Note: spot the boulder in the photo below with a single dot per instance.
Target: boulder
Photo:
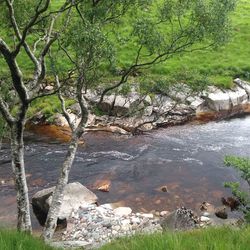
(60, 120)
(162, 103)
(222, 100)
(119, 105)
(180, 92)
(244, 85)
(75, 195)
(221, 213)
(180, 219)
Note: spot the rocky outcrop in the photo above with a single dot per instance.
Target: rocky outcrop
(180, 105)
(225, 103)
(74, 196)
(135, 112)
(118, 105)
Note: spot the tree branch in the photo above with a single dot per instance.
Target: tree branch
(4, 110)
(15, 72)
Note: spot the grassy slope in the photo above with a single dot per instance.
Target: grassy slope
(212, 238)
(220, 66)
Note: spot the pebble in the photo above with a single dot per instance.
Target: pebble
(150, 216)
(135, 220)
(164, 213)
(206, 214)
(123, 211)
(204, 219)
(125, 222)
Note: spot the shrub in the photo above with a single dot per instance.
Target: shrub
(243, 165)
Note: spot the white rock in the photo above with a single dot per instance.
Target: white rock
(164, 213)
(116, 228)
(150, 216)
(135, 220)
(218, 100)
(243, 84)
(125, 228)
(60, 120)
(126, 222)
(114, 232)
(75, 195)
(206, 214)
(49, 88)
(122, 211)
(204, 219)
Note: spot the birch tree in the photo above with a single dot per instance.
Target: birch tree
(156, 31)
(30, 30)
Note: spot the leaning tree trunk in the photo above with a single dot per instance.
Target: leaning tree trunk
(17, 152)
(51, 221)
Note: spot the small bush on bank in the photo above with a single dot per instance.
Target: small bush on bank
(243, 165)
(212, 238)
(13, 240)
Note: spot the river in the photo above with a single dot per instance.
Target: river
(187, 159)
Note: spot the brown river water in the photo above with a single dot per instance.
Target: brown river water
(187, 159)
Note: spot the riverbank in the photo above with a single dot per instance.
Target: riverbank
(136, 113)
(90, 225)
(212, 238)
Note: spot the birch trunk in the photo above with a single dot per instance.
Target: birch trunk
(17, 152)
(57, 199)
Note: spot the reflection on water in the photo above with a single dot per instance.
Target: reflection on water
(187, 159)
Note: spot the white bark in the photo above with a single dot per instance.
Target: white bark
(51, 221)
(25, 95)
(57, 199)
(17, 152)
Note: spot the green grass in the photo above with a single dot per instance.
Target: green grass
(204, 239)
(12, 240)
(48, 106)
(220, 66)
(210, 239)
(223, 64)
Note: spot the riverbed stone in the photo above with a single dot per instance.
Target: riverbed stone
(122, 211)
(218, 100)
(74, 196)
(60, 120)
(204, 219)
(164, 213)
(221, 213)
(180, 219)
(102, 228)
(244, 85)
